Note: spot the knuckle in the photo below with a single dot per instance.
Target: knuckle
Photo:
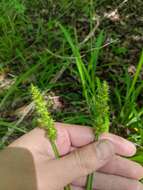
(104, 150)
(81, 162)
(138, 171)
(138, 186)
(93, 156)
(135, 185)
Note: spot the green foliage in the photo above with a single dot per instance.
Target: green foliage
(45, 119)
(9, 8)
(94, 91)
(119, 50)
(18, 6)
(129, 114)
(138, 157)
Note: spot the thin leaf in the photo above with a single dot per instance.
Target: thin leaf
(95, 54)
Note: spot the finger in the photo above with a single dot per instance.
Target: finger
(111, 182)
(79, 163)
(36, 140)
(124, 147)
(79, 135)
(71, 135)
(123, 167)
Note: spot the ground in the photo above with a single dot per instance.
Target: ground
(33, 49)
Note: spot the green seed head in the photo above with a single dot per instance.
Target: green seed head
(45, 118)
(101, 120)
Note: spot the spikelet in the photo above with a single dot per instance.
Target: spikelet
(101, 120)
(44, 117)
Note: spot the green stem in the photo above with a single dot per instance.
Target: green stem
(89, 184)
(55, 149)
(67, 187)
(57, 155)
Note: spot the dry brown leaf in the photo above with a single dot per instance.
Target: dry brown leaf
(57, 104)
(131, 69)
(5, 82)
(113, 15)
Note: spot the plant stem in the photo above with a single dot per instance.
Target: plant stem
(55, 149)
(89, 185)
(57, 155)
(67, 187)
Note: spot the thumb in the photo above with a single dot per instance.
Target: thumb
(80, 162)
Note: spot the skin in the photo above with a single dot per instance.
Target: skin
(80, 156)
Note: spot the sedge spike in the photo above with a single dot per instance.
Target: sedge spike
(102, 115)
(45, 119)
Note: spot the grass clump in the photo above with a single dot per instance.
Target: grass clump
(95, 92)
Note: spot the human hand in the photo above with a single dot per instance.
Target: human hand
(81, 156)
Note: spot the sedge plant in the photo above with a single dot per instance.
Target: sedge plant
(95, 92)
(101, 117)
(45, 120)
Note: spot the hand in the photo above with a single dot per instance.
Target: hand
(81, 156)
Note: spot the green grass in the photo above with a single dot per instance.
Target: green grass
(33, 48)
(93, 89)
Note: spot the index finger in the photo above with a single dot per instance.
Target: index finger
(68, 136)
(123, 146)
(72, 136)
(78, 136)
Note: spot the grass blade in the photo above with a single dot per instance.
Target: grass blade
(139, 67)
(132, 88)
(81, 67)
(95, 54)
(11, 125)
